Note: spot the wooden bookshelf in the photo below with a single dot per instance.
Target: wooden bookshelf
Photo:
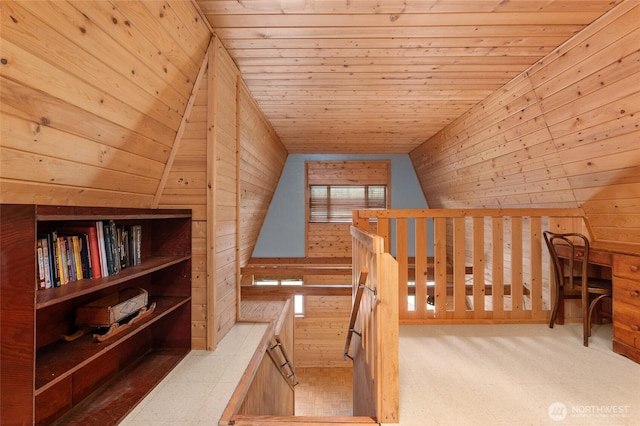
(45, 379)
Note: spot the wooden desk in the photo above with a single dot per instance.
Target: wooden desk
(596, 256)
(626, 295)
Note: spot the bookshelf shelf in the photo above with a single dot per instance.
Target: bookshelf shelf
(61, 359)
(51, 296)
(47, 380)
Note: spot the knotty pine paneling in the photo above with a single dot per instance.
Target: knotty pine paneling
(223, 118)
(328, 240)
(93, 94)
(186, 187)
(262, 159)
(358, 77)
(562, 134)
(377, 172)
(320, 335)
(334, 239)
(215, 287)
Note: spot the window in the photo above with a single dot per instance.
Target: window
(298, 299)
(334, 203)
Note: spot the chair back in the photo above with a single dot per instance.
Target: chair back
(574, 242)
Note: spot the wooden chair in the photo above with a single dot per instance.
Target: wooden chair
(572, 279)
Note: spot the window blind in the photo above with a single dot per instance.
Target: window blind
(334, 203)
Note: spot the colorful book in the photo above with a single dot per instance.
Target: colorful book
(102, 249)
(41, 283)
(64, 263)
(90, 252)
(57, 256)
(71, 264)
(47, 262)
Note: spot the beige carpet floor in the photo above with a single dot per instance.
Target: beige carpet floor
(515, 375)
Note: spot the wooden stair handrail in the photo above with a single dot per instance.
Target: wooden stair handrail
(292, 378)
(362, 279)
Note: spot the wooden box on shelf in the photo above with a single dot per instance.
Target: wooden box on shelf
(46, 379)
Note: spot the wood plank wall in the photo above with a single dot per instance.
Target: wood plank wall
(262, 159)
(186, 187)
(321, 333)
(565, 133)
(223, 207)
(334, 239)
(241, 150)
(93, 95)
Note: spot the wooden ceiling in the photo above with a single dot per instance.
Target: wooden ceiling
(367, 76)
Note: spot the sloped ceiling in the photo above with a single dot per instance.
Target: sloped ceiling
(364, 76)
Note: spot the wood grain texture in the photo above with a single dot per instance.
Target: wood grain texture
(262, 158)
(92, 125)
(561, 134)
(334, 239)
(361, 77)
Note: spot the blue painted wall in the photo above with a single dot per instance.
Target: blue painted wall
(282, 233)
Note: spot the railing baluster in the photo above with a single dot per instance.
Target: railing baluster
(403, 265)
(497, 266)
(420, 269)
(459, 267)
(517, 287)
(510, 271)
(478, 268)
(535, 243)
(440, 266)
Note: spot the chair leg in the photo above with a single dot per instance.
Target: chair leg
(556, 307)
(587, 320)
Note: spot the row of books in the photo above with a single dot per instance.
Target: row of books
(94, 250)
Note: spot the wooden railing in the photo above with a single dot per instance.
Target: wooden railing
(478, 265)
(375, 349)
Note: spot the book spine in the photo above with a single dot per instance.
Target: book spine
(85, 255)
(132, 244)
(71, 264)
(41, 283)
(138, 244)
(125, 253)
(96, 270)
(83, 250)
(115, 250)
(55, 243)
(64, 264)
(52, 260)
(102, 248)
(107, 248)
(77, 257)
(47, 263)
